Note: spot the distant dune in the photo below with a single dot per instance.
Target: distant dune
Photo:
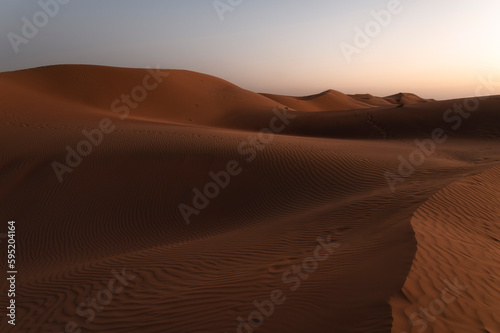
(406, 98)
(373, 100)
(329, 100)
(316, 176)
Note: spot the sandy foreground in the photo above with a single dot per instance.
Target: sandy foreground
(172, 201)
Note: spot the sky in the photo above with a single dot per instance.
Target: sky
(437, 49)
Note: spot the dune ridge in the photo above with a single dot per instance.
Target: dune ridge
(455, 272)
(329, 100)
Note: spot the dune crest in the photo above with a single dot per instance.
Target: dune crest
(329, 100)
(406, 98)
(455, 274)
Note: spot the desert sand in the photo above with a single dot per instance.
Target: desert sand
(317, 174)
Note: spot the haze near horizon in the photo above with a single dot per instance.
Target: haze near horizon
(436, 50)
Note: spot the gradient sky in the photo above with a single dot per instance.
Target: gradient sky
(436, 49)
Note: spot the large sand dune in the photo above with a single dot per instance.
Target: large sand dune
(320, 179)
(326, 101)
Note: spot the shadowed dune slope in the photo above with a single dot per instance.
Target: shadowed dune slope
(416, 121)
(329, 100)
(406, 98)
(455, 277)
(373, 100)
(120, 209)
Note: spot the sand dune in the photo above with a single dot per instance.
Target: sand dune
(175, 96)
(406, 98)
(329, 100)
(321, 176)
(374, 100)
(455, 274)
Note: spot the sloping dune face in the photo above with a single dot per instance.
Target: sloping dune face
(374, 100)
(454, 283)
(181, 215)
(406, 98)
(174, 95)
(329, 100)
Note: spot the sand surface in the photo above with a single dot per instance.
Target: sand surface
(317, 173)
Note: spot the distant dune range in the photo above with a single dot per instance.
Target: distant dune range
(322, 175)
